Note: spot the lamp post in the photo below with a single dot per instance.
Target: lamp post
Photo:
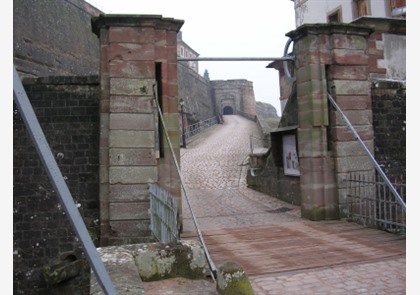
(182, 102)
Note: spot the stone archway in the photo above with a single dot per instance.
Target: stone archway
(227, 110)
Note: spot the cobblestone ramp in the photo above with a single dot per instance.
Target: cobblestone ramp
(282, 253)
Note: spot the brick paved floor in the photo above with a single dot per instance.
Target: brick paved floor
(214, 170)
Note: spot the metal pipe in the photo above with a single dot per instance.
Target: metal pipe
(378, 168)
(284, 58)
(213, 269)
(60, 186)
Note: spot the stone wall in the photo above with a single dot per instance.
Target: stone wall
(197, 93)
(54, 38)
(359, 66)
(138, 72)
(67, 109)
(236, 94)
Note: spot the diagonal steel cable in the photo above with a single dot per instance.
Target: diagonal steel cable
(60, 186)
(372, 158)
(213, 269)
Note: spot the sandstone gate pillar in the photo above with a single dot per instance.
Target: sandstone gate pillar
(137, 55)
(329, 58)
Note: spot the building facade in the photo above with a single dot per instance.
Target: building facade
(345, 11)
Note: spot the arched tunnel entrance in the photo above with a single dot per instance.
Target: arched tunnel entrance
(227, 110)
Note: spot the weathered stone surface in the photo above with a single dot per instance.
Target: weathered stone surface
(132, 157)
(129, 210)
(158, 261)
(122, 271)
(132, 69)
(131, 51)
(232, 280)
(132, 175)
(128, 192)
(126, 86)
(132, 264)
(131, 121)
(54, 38)
(130, 138)
(131, 104)
(349, 87)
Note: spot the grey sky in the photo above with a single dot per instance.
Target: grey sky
(226, 29)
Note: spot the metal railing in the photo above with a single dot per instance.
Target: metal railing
(378, 168)
(163, 215)
(372, 199)
(370, 202)
(196, 128)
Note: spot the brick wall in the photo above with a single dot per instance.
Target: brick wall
(389, 123)
(67, 109)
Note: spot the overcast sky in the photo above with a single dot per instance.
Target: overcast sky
(226, 29)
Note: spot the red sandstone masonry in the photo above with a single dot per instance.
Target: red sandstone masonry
(353, 102)
(136, 35)
(131, 104)
(345, 41)
(131, 51)
(134, 69)
(339, 72)
(349, 57)
(131, 47)
(132, 121)
(324, 51)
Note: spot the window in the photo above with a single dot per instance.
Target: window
(397, 4)
(361, 8)
(335, 16)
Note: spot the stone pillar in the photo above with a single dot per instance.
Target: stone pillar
(138, 55)
(319, 49)
(349, 84)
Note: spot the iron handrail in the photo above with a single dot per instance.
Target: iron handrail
(378, 168)
(198, 127)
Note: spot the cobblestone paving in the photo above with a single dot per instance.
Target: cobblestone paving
(214, 168)
(214, 171)
(384, 277)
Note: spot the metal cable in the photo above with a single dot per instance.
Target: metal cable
(213, 269)
(378, 168)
